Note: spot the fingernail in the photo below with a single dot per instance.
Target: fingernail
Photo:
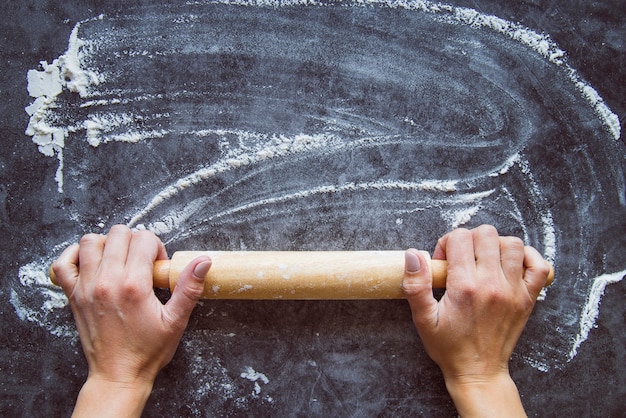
(202, 269)
(411, 262)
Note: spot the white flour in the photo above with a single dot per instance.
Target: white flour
(212, 378)
(45, 86)
(254, 376)
(258, 148)
(350, 187)
(38, 300)
(592, 308)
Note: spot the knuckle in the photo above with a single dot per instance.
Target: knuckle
(192, 292)
(57, 268)
(59, 272)
(495, 296)
(175, 322)
(526, 304)
(131, 290)
(544, 269)
(460, 231)
(143, 236)
(422, 320)
(441, 242)
(101, 291)
(513, 241)
(512, 245)
(469, 290)
(90, 240)
(119, 229)
(80, 299)
(414, 287)
(487, 230)
(460, 234)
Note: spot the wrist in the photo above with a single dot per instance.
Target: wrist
(102, 398)
(485, 396)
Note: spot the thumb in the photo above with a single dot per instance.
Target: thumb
(188, 291)
(418, 289)
(537, 270)
(64, 271)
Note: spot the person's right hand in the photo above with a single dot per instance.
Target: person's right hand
(492, 285)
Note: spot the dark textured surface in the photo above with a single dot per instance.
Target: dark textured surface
(384, 100)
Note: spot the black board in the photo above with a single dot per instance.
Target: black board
(326, 126)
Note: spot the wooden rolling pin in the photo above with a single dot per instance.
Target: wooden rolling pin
(295, 274)
(299, 274)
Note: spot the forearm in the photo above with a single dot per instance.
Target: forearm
(99, 398)
(496, 397)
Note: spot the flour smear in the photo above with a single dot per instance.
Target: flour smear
(68, 72)
(457, 201)
(64, 73)
(37, 300)
(591, 310)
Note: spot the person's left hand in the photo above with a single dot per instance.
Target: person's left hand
(127, 334)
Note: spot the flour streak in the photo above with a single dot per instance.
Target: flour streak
(591, 310)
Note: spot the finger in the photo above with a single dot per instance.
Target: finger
(90, 254)
(486, 251)
(537, 270)
(143, 250)
(162, 253)
(187, 292)
(116, 246)
(459, 248)
(512, 258)
(440, 248)
(65, 269)
(418, 289)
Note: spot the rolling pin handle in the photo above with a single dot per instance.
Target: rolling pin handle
(161, 274)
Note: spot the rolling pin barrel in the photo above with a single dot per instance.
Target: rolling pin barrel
(294, 274)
